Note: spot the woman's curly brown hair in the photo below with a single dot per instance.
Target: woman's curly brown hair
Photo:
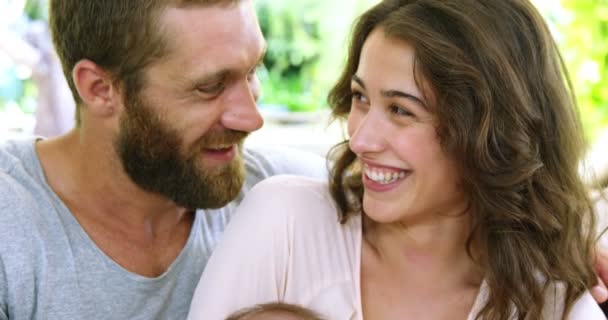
(507, 114)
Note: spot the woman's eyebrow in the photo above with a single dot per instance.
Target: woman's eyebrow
(393, 93)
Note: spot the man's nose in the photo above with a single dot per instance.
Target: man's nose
(241, 113)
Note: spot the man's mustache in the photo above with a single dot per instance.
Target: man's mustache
(222, 139)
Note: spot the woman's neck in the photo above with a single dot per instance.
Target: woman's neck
(425, 251)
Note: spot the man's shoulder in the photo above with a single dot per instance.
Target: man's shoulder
(18, 156)
(266, 161)
(20, 189)
(10, 154)
(17, 169)
(18, 205)
(15, 191)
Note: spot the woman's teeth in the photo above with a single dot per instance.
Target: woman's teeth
(384, 177)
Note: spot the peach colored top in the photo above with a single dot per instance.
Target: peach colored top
(285, 244)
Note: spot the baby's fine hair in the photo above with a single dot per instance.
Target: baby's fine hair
(277, 308)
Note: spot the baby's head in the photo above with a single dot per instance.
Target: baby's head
(275, 311)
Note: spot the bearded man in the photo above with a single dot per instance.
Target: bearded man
(117, 218)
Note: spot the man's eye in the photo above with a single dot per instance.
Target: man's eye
(255, 70)
(213, 88)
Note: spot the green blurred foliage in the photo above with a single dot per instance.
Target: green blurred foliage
(306, 47)
(15, 89)
(295, 46)
(11, 88)
(307, 43)
(36, 9)
(583, 38)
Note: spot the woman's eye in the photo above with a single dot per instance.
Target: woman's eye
(400, 111)
(358, 97)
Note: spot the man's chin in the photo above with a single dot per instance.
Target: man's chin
(217, 188)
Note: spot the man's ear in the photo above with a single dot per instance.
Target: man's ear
(96, 88)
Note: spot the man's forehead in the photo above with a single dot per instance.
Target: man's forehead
(179, 10)
(210, 39)
(185, 3)
(211, 25)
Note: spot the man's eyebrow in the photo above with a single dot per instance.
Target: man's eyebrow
(215, 76)
(394, 93)
(224, 73)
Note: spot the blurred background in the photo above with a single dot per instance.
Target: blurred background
(307, 41)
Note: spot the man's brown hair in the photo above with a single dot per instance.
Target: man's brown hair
(121, 36)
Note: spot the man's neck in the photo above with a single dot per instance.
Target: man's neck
(90, 171)
(119, 217)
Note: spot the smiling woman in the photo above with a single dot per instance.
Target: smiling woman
(457, 195)
(393, 132)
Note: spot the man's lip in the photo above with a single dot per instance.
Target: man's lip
(218, 149)
(223, 155)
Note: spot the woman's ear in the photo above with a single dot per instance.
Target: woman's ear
(96, 89)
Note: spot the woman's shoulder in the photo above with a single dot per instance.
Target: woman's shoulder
(292, 200)
(584, 308)
(290, 192)
(287, 184)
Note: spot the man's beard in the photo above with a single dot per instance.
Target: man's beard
(151, 154)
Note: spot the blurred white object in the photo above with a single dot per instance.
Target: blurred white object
(55, 111)
(595, 168)
(14, 123)
(601, 207)
(32, 49)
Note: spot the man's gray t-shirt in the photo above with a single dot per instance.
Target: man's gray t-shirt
(51, 269)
